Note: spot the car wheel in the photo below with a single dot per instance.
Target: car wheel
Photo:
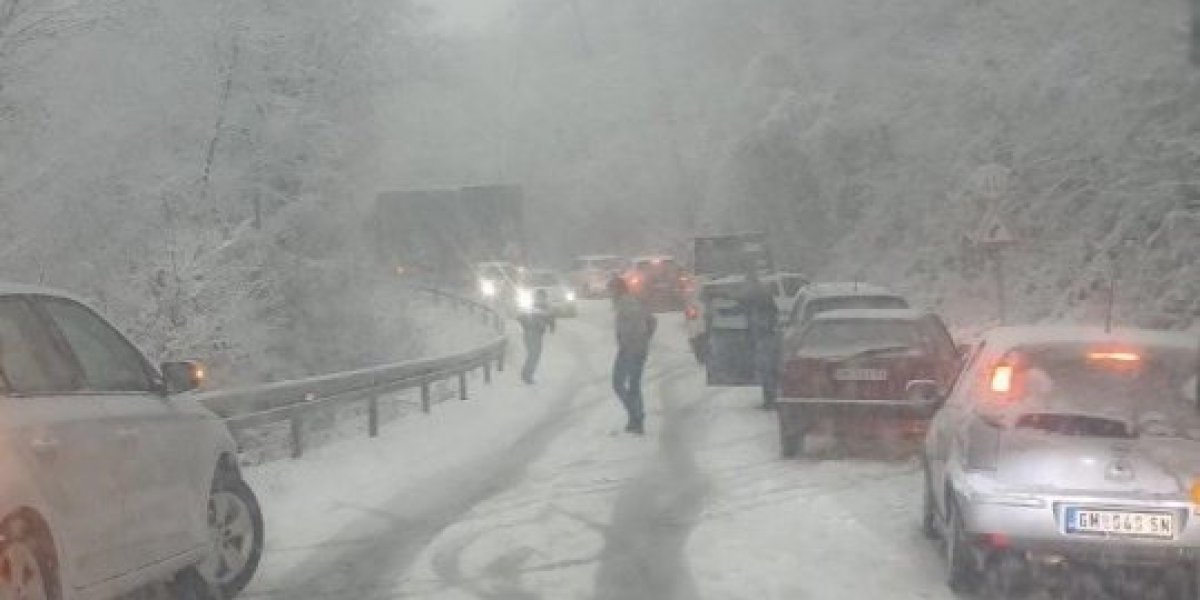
(929, 511)
(698, 346)
(25, 570)
(189, 584)
(791, 432)
(961, 573)
(236, 535)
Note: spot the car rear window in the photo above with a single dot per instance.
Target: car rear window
(1101, 388)
(1075, 425)
(820, 305)
(861, 334)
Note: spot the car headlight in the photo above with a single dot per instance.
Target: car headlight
(570, 296)
(524, 299)
(487, 287)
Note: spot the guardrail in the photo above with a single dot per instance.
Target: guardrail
(298, 401)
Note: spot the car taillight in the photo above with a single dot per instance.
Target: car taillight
(1002, 379)
(691, 313)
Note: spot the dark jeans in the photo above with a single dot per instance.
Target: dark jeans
(533, 354)
(627, 382)
(766, 364)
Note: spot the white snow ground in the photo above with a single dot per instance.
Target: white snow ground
(532, 492)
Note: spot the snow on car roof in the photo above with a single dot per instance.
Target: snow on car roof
(864, 314)
(846, 288)
(1002, 338)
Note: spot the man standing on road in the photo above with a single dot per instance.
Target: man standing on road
(762, 317)
(634, 326)
(534, 324)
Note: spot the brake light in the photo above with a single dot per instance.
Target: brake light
(1195, 493)
(1002, 379)
(691, 313)
(1126, 357)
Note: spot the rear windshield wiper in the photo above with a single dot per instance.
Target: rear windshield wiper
(880, 350)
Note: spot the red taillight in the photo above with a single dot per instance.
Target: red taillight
(994, 541)
(691, 313)
(1002, 379)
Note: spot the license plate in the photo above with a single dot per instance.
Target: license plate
(860, 375)
(1086, 521)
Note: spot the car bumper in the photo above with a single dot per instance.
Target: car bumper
(899, 408)
(1037, 533)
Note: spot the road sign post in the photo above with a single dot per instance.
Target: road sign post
(994, 237)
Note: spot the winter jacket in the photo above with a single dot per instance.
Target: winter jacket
(762, 314)
(537, 321)
(634, 324)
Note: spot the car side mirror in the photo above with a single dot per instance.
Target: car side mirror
(924, 392)
(182, 376)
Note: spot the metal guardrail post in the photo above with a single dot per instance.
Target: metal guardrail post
(487, 371)
(373, 416)
(425, 397)
(462, 385)
(297, 424)
(500, 360)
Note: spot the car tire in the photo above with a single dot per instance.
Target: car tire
(26, 563)
(698, 344)
(791, 431)
(962, 576)
(236, 526)
(189, 584)
(929, 526)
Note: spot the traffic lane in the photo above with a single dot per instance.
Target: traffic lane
(386, 533)
(595, 504)
(774, 528)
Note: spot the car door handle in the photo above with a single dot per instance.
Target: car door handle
(45, 447)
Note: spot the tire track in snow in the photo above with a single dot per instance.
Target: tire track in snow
(369, 569)
(643, 555)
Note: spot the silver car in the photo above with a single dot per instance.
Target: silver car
(111, 479)
(1067, 445)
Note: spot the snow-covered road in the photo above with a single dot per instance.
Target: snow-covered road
(526, 493)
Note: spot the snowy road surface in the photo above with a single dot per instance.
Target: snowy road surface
(534, 493)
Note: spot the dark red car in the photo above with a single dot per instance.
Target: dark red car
(660, 282)
(853, 369)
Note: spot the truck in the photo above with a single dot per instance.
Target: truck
(440, 234)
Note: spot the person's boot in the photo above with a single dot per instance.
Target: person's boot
(636, 427)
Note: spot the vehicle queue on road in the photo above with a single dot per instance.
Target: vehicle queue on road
(1049, 455)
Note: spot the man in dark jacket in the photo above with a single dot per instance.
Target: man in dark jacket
(762, 316)
(535, 323)
(634, 327)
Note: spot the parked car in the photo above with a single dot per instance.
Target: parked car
(660, 282)
(1067, 446)
(815, 298)
(851, 370)
(111, 478)
(717, 326)
(591, 274)
(560, 295)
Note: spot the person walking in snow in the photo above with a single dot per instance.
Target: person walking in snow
(762, 317)
(634, 327)
(534, 324)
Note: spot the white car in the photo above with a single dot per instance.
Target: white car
(111, 479)
(559, 295)
(1067, 446)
